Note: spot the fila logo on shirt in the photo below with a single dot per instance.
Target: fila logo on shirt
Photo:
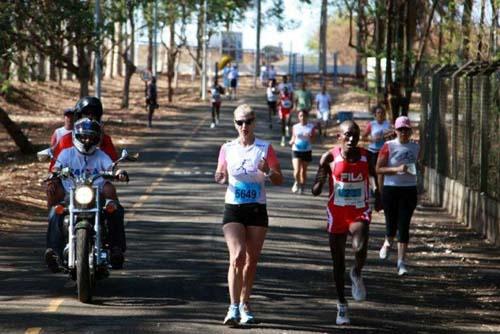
(351, 177)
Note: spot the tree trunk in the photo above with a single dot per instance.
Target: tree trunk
(71, 53)
(150, 46)
(41, 71)
(481, 32)
(411, 27)
(15, 133)
(360, 38)
(440, 42)
(322, 40)
(119, 63)
(172, 54)
(400, 40)
(257, 43)
(388, 65)
(421, 49)
(493, 30)
(379, 45)
(199, 38)
(129, 61)
(83, 70)
(52, 69)
(466, 22)
(112, 58)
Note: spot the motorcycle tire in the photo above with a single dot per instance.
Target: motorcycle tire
(83, 276)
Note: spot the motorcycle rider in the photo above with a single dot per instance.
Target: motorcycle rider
(85, 156)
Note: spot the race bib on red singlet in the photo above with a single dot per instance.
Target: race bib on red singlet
(349, 194)
(286, 104)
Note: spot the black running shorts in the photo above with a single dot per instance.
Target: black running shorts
(251, 214)
(302, 155)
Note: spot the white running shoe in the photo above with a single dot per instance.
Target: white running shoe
(282, 141)
(402, 270)
(342, 315)
(287, 129)
(358, 287)
(384, 252)
(216, 121)
(295, 187)
(233, 316)
(246, 315)
(212, 125)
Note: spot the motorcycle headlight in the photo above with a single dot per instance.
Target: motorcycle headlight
(84, 195)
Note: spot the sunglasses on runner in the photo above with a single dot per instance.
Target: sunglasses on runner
(246, 121)
(407, 130)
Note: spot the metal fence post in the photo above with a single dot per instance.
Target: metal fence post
(467, 130)
(483, 153)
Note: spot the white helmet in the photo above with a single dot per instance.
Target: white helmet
(86, 135)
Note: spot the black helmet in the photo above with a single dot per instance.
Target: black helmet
(88, 106)
(86, 135)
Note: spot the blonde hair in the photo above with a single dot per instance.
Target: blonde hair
(244, 110)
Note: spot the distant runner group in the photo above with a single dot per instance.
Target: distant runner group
(387, 171)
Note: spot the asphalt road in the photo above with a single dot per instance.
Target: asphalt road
(174, 280)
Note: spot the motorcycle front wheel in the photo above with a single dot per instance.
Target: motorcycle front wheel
(83, 275)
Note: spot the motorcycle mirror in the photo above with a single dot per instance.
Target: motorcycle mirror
(124, 154)
(45, 155)
(133, 157)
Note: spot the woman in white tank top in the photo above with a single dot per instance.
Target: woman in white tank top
(245, 163)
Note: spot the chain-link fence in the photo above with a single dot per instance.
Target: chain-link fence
(460, 124)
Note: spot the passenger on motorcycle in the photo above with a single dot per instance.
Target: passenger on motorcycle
(89, 107)
(84, 156)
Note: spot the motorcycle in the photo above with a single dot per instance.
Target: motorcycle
(86, 256)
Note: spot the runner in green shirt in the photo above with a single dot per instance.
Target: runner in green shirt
(303, 98)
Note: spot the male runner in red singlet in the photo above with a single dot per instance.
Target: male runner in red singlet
(346, 167)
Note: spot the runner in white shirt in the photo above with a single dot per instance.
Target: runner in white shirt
(323, 105)
(263, 75)
(272, 100)
(302, 135)
(245, 163)
(63, 130)
(271, 74)
(285, 83)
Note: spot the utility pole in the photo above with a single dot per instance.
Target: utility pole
(155, 45)
(205, 41)
(97, 21)
(257, 47)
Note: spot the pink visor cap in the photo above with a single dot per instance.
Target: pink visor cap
(402, 122)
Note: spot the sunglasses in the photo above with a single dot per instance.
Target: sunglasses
(404, 129)
(247, 121)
